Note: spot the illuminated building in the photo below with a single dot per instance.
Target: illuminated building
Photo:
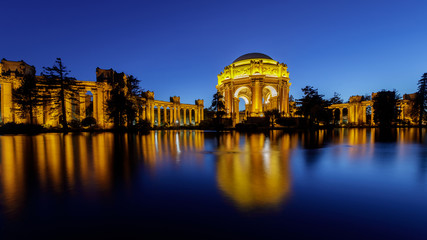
(260, 81)
(359, 111)
(89, 95)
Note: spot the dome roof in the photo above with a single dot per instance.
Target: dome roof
(251, 56)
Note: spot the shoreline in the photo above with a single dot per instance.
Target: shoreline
(26, 131)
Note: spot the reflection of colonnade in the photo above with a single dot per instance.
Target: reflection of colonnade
(163, 146)
(61, 162)
(88, 99)
(257, 173)
(85, 163)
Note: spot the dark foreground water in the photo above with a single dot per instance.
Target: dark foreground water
(341, 184)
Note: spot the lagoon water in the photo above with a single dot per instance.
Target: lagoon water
(337, 184)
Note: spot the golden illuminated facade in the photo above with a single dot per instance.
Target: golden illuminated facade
(257, 79)
(358, 111)
(89, 95)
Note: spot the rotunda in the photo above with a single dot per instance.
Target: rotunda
(261, 82)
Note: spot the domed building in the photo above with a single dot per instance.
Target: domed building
(261, 82)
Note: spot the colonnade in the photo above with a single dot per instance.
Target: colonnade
(78, 101)
(162, 113)
(355, 113)
(362, 112)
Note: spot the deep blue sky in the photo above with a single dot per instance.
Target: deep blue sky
(179, 47)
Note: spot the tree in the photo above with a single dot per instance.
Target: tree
(312, 106)
(56, 78)
(27, 97)
(272, 115)
(336, 99)
(218, 105)
(122, 106)
(420, 104)
(385, 108)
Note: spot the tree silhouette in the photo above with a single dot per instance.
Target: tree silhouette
(420, 104)
(385, 108)
(122, 106)
(27, 97)
(336, 99)
(56, 78)
(272, 115)
(218, 105)
(312, 106)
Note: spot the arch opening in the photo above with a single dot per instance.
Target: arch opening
(344, 115)
(269, 98)
(243, 101)
(337, 116)
(88, 104)
(368, 113)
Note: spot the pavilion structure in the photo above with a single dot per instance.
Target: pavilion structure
(261, 82)
(359, 111)
(88, 99)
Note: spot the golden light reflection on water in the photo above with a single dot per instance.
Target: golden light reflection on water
(254, 173)
(252, 170)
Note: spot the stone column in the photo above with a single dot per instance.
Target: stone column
(6, 102)
(170, 116)
(185, 117)
(285, 100)
(148, 112)
(372, 116)
(152, 114)
(101, 105)
(228, 101)
(202, 115)
(178, 109)
(82, 105)
(95, 106)
(165, 116)
(341, 115)
(363, 114)
(144, 112)
(256, 98)
(159, 119)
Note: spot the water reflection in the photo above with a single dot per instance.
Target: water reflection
(253, 171)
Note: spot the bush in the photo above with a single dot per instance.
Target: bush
(88, 122)
(287, 121)
(142, 125)
(75, 123)
(206, 124)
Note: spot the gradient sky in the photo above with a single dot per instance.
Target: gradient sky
(179, 47)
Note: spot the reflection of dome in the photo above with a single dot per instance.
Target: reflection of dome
(252, 56)
(255, 178)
